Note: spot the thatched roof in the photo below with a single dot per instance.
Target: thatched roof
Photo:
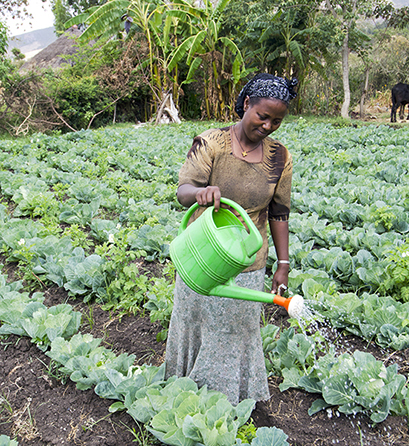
(53, 55)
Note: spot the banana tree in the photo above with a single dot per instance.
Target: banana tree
(206, 49)
(105, 21)
(166, 29)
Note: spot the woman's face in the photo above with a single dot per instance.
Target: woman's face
(262, 117)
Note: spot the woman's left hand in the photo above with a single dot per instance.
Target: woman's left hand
(280, 279)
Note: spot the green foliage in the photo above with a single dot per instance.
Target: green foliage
(160, 300)
(37, 204)
(73, 212)
(27, 316)
(247, 432)
(61, 13)
(84, 276)
(384, 216)
(78, 99)
(370, 316)
(85, 361)
(3, 40)
(18, 55)
(78, 236)
(45, 325)
(175, 408)
(397, 281)
(267, 436)
(125, 287)
(6, 441)
(181, 413)
(127, 292)
(207, 416)
(357, 383)
(292, 351)
(131, 292)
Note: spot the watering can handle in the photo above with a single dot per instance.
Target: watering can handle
(252, 243)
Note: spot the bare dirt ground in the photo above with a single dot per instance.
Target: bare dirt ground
(380, 113)
(40, 410)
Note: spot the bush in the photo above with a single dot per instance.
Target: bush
(78, 99)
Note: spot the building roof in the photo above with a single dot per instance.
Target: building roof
(53, 55)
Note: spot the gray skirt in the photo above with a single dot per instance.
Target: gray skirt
(216, 341)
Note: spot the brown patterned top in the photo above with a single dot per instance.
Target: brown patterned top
(262, 189)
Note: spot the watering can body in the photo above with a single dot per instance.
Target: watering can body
(210, 252)
(215, 247)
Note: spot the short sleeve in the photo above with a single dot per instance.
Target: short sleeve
(198, 165)
(279, 208)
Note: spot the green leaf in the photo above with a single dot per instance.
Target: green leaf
(317, 405)
(190, 430)
(244, 410)
(311, 385)
(141, 410)
(270, 436)
(291, 379)
(195, 45)
(192, 70)
(218, 411)
(116, 407)
(338, 390)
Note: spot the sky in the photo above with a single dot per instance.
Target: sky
(42, 18)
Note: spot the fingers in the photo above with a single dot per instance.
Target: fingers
(216, 197)
(280, 289)
(280, 283)
(208, 196)
(274, 287)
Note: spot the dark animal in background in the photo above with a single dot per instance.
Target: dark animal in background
(400, 97)
(402, 112)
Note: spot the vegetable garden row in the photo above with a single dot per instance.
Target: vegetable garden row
(78, 210)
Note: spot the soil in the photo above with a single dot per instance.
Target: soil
(39, 409)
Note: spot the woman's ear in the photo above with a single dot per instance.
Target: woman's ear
(246, 103)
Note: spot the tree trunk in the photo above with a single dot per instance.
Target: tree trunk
(365, 90)
(345, 78)
(167, 111)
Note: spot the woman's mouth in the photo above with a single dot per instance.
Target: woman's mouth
(262, 133)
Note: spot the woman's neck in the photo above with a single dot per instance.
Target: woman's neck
(252, 153)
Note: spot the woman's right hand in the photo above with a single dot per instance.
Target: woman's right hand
(204, 196)
(209, 196)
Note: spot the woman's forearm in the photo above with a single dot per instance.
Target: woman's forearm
(186, 194)
(280, 235)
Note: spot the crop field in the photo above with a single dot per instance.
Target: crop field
(86, 292)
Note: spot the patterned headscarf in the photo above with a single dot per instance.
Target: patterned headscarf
(266, 85)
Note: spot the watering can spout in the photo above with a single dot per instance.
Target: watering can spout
(294, 305)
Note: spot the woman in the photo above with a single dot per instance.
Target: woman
(216, 341)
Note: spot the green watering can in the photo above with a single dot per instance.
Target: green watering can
(209, 253)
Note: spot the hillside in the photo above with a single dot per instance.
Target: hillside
(32, 42)
(400, 3)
